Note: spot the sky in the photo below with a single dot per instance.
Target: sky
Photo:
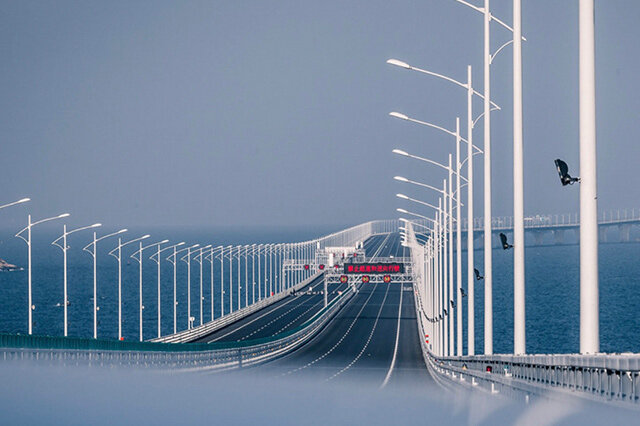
(271, 114)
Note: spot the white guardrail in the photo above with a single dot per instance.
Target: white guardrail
(602, 377)
(185, 356)
(195, 333)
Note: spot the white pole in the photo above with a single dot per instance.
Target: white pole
(221, 281)
(159, 306)
(189, 288)
(119, 288)
(29, 274)
(259, 274)
(140, 290)
(239, 285)
(64, 262)
(212, 305)
(201, 260)
(589, 303)
(450, 298)
(488, 255)
(230, 279)
(95, 288)
(175, 295)
(246, 276)
(519, 320)
(445, 272)
(470, 265)
(458, 242)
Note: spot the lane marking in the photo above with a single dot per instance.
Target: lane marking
(364, 348)
(395, 350)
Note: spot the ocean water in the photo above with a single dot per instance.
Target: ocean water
(552, 289)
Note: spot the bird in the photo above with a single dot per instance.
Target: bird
(478, 276)
(463, 293)
(445, 312)
(505, 244)
(453, 304)
(563, 172)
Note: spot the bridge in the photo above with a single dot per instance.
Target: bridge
(381, 305)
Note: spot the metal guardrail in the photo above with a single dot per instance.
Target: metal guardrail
(212, 326)
(183, 356)
(602, 377)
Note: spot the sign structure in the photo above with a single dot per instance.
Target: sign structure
(373, 268)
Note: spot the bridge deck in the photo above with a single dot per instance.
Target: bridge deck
(359, 344)
(285, 314)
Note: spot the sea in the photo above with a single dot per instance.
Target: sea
(552, 288)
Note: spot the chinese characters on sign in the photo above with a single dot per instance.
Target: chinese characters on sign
(374, 268)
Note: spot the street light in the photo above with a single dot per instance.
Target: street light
(28, 241)
(156, 258)
(23, 200)
(94, 254)
(118, 256)
(139, 259)
(64, 249)
(188, 262)
(173, 259)
(199, 259)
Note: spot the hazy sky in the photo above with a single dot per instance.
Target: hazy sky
(275, 113)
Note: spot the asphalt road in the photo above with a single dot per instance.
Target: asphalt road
(292, 311)
(373, 340)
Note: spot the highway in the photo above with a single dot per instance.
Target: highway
(373, 340)
(289, 312)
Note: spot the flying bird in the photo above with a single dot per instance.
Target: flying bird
(505, 244)
(453, 304)
(478, 276)
(563, 172)
(463, 293)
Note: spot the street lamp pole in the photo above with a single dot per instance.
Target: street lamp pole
(173, 259)
(118, 256)
(139, 252)
(64, 249)
(199, 258)
(156, 257)
(94, 254)
(28, 241)
(589, 302)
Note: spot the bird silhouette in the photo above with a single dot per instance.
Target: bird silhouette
(463, 293)
(453, 304)
(563, 171)
(505, 244)
(478, 276)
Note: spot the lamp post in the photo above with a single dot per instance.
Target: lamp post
(199, 259)
(93, 253)
(470, 125)
(118, 256)
(518, 181)
(64, 249)
(210, 258)
(156, 258)
(173, 259)
(458, 173)
(139, 252)
(589, 302)
(188, 262)
(23, 200)
(28, 241)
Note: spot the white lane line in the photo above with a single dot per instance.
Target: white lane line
(309, 364)
(364, 348)
(255, 319)
(395, 350)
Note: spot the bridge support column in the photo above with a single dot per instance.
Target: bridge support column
(602, 232)
(625, 232)
(558, 236)
(538, 237)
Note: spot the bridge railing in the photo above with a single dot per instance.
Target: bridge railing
(610, 377)
(555, 220)
(184, 356)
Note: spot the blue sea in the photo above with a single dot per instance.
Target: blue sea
(552, 288)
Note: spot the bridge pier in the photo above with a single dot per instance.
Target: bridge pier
(625, 232)
(558, 236)
(602, 231)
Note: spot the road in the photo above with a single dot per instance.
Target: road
(373, 340)
(290, 312)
